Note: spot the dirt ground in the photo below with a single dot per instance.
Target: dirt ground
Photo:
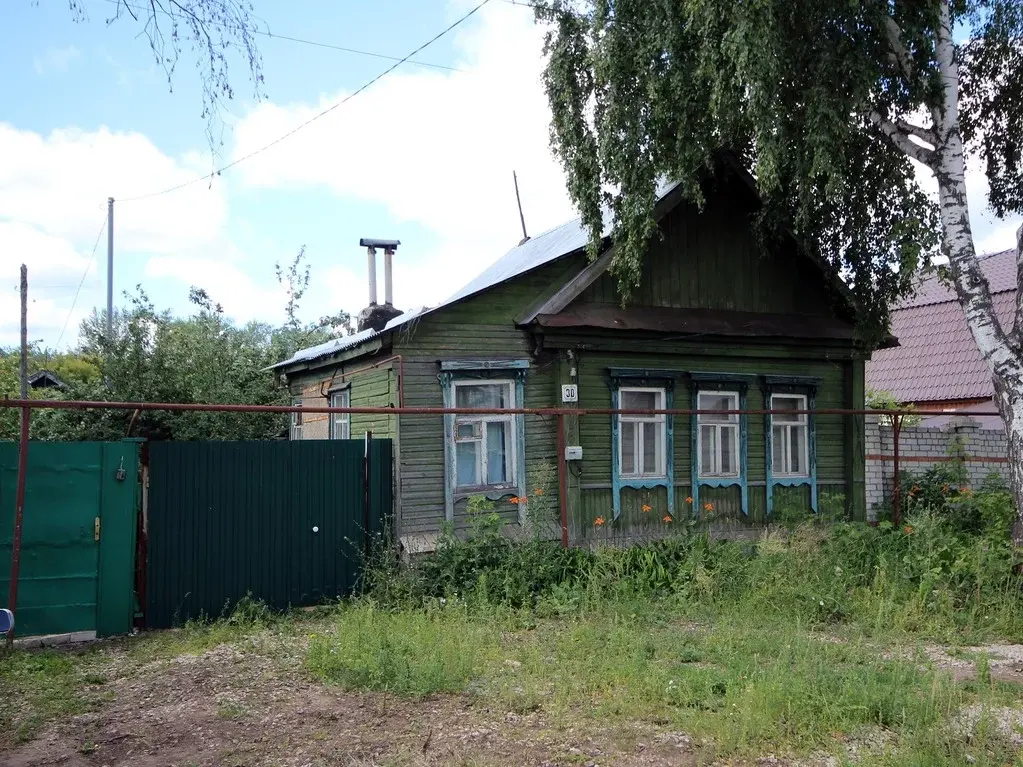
(228, 708)
(234, 707)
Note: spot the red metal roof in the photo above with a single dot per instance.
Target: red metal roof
(937, 358)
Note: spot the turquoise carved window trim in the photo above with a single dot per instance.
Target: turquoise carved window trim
(640, 380)
(806, 388)
(464, 372)
(737, 384)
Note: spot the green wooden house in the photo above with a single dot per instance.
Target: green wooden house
(719, 321)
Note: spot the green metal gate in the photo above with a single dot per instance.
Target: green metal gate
(286, 522)
(78, 536)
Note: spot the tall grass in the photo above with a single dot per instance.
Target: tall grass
(802, 640)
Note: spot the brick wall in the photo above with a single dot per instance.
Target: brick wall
(983, 451)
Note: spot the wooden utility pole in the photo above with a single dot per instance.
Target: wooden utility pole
(19, 500)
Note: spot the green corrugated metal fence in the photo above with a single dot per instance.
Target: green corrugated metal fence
(75, 575)
(283, 521)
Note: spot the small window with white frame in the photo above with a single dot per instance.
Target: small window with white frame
(296, 420)
(484, 444)
(789, 436)
(341, 423)
(718, 435)
(641, 438)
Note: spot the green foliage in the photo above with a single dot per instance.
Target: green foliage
(155, 357)
(40, 686)
(410, 653)
(796, 89)
(885, 400)
(947, 571)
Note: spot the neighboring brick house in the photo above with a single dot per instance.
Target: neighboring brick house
(936, 365)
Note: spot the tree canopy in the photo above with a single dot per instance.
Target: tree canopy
(821, 99)
(156, 357)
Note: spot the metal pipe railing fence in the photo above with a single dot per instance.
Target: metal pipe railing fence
(26, 406)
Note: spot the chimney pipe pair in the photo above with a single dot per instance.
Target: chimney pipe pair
(389, 247)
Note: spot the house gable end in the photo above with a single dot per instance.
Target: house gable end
(711, 260)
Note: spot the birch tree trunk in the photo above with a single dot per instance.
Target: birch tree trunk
(1000, 349)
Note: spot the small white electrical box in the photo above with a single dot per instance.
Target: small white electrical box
(569, 392)
(573, 453)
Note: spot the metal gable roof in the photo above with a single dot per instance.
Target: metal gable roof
(937, 358)
(551, 245)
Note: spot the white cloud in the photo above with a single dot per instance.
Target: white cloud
(437, 149)
(226, 282)
(59, 183)
(55, 268)
(55, 59)
(53, 192)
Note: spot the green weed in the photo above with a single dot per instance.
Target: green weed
(40, 685)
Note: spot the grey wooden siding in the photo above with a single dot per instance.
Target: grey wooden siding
(478, 328)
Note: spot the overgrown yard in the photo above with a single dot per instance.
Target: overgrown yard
(820, 645)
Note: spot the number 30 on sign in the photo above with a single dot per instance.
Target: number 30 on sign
(569, 393)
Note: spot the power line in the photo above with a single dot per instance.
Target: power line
(314, 118)
(88, 266)
(315, 43)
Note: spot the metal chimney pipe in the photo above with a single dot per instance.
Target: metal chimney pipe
(388, 296)
(371, 254)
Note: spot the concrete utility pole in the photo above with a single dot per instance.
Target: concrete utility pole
(110, 270)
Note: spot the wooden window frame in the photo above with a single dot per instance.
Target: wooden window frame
(509, 421)
(344, 420)
(661, 470)
(802, 424)
(296, 430)
(733, 424)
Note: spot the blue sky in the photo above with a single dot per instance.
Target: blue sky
(424, 156)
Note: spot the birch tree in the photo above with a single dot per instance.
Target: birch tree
(841, 110)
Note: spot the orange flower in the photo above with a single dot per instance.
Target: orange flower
(908, 529)
(965, 491)
(515, 500)
(667, 518)
(646, 508)
(599, 521)
(689, 500)
(708, 507)
(539, 491)
(944, 488)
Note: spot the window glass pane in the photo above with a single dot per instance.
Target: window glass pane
(651, 448)
(708, 447)
(779, 402)
(497, 452)
(467, 464)
(714, 401)
(628, 432)
(728, 439)
(798, 436)
(468, 430)
(482, 396)
(641, 400)
(339, 421)
(778, 449)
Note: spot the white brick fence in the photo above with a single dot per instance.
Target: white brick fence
(982, 451)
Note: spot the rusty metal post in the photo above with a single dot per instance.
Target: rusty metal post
(19, 498)
(562, 482)
(19, 516)
(897, 483)
(367, 492)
